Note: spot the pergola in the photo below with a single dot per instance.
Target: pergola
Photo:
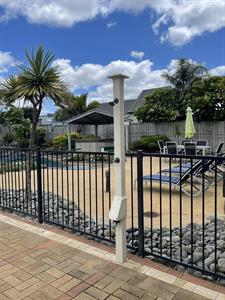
(93, 117)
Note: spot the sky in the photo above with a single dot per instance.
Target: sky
(92, 39)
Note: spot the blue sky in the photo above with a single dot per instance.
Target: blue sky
(94, 38)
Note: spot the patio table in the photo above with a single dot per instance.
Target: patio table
(204, 149)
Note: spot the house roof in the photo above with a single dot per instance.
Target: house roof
(103, 114)
(141, 98)
(109, 108)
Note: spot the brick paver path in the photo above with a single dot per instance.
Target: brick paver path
(34, 267)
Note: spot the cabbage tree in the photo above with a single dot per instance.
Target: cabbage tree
(184, 75)
(35, 82)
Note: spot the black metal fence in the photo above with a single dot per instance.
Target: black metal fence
(65, 188)
(181, 210)
(175, 203)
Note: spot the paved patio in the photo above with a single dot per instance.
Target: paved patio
(40, 262)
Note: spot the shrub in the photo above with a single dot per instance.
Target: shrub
(148, 143)
(21, 134)
(48, 144)
(88, 137)
(7, 139)
(60, 142)
(41, 135)
(75, 135)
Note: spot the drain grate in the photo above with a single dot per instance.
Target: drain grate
(150, 214)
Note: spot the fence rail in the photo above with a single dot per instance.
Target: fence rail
(175, 202)
(185, 220)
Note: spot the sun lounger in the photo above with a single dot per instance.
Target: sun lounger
(190, 177)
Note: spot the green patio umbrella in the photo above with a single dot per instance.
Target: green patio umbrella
(189, 125)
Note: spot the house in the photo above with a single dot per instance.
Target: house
(46, 119)
(139, 102)
(91, 121)
(103, 114)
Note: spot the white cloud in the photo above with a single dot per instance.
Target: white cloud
(111, 24)
(93, 77)
(6, 61)
(54, 12)
(177, 21)
(137, 54)
(193, 18)
(182, 19)
(218, 71)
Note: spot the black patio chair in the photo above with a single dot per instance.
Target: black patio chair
(190, 148)
(171, 147)
(201, 143)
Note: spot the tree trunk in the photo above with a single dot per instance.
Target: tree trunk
(30, 152)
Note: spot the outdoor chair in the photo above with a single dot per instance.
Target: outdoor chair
(171, 147)
(190, 148)
(190, 181)
(219, 149)
(161, 146)
(201, 143)
(183, 167)
(207, 165)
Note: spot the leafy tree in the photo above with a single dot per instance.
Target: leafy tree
(62, 114)
(36, 81)
(41, 136)
(2, 94)
(186, 72)
(73, 105)
(2, 114)
(28, 112)
(21, 133)
(13, 115)
(207, 99)
(158, 107)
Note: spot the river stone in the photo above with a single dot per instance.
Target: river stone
(212, 267)
(187, 237)
(221, 244)
(209, 260)
(175, 238)
(155, 236)
(184, 253)
(221, 264)
(197, 256)
(222, 255)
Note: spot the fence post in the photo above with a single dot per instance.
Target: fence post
(107, 182)
(140, 203)
(223, 184)
(39, 185)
